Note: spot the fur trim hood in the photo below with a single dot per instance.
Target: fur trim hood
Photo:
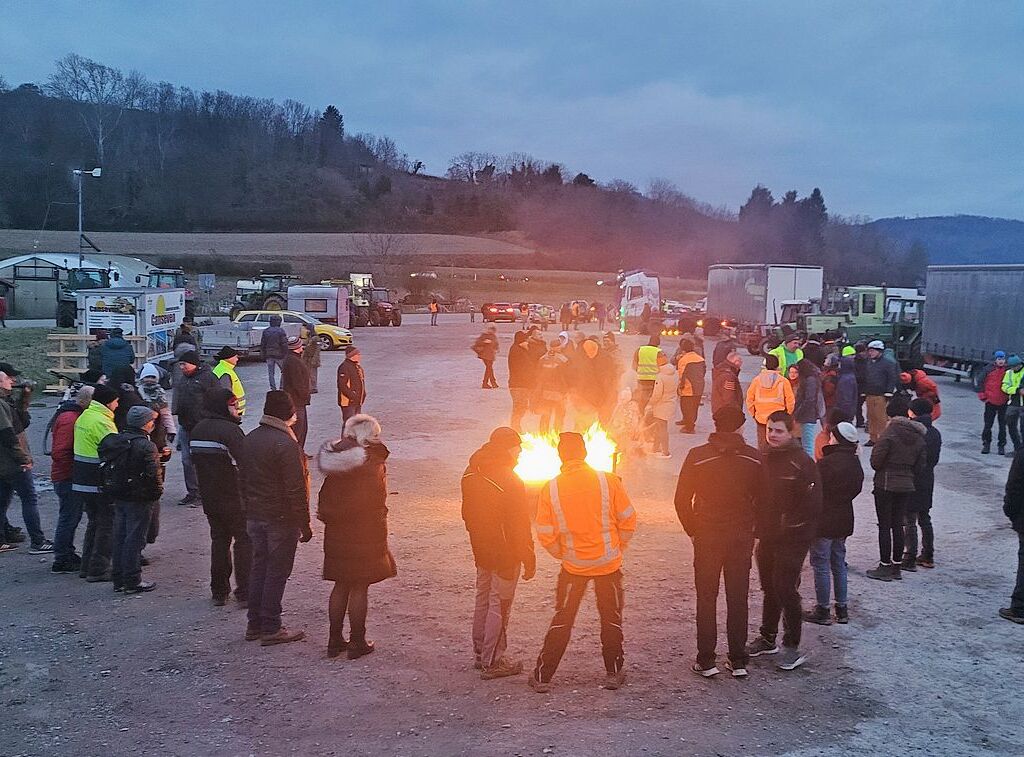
(362, 428)
(347, 455)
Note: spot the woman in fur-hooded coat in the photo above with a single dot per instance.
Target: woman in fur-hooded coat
(353, 508)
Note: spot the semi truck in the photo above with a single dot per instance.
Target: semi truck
(639, 302)
(751, 297)
(973, 310)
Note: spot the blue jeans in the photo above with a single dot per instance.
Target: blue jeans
(69, 515)
(273, 364)
(808, 431)
(828, 559)
(191, 479)
(131, 524)
(25, 487)
(273, 555)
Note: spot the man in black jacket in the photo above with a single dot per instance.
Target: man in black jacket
(133, 505)
(217, 447)
(295, 381)
(274, 348)
(919, 505)
(1013, 508)
(187, 403)
(351, 384)
(784, 532)
(276, 500)
(720, 490)
(496, 515)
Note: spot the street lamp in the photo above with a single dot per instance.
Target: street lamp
(95, 173)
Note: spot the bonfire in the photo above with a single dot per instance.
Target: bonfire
(539, 463)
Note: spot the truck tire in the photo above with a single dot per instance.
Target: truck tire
(67, 313)
(396, 318)
(275, 302)
(358, 319)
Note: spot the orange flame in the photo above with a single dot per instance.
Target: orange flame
(539, 462)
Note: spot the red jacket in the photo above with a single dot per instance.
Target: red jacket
(992, 385)
(922, 385)
(63, 451)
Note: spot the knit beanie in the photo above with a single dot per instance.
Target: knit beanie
(279, 405)
(139, 416)
(571, 447)
(104, 394)
(504, 437)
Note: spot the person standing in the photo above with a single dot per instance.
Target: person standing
(497, 518)
(661, 408)
(116, 351)
(919, 505)
(188, 404)
(486, 348)
(134, 494)
(1013, 508)
(276, 502)
(217, 447)
(593, 388)
(718, 496)
(788, 353)
(585, 520)
(295, 381)
(725, 381)
(311, 359)
(808, 404)
(565, 316)
(353, 508)
(645, 363)
(94, 424)
(601, 314)
(785, 531)
(880, 378)
(351, 384)
(692, 369)
(846, 399)
(274, 348)
(576, 314)
(552, 388)
(1013, 380)
(842, 479)
(898, 458)
(522, 378)
(768, 393)
(62, 456)
(860, 362)
(990, 391)
(224, 371)
(434, 309)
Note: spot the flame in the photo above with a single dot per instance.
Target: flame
(539, 462)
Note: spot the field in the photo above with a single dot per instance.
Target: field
(26, 350)
(925, 666)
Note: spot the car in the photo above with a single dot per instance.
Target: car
(330, 337)
(542, 314)
(499, 311)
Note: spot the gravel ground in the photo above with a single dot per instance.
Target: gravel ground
(924, 667)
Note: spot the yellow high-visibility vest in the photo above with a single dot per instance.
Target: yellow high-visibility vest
(225, 368)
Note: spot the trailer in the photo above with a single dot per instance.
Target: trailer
(973, 311)
(325, 303)
(154, 314)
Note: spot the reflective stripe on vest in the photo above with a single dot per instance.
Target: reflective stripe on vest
(647, 363)
(193, 446)
(610, 552)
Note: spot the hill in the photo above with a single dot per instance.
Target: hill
(953, 240)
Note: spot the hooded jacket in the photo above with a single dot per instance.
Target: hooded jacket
(721, 488)
(115, 351)
(793, 496)
(217, 446)
(899, 455)
(924, 479)
(842, 479)
(12, 454)
(768, 392)
(495, 511)
(725, 387)
(662, 404)
(522, 365)
(295, 379)
(846, 396)
(809, 402)
(62, 452)
(692, 370)
(274, 343)
(143, 469)
(189, 393)
(275, 481)
(351, 384)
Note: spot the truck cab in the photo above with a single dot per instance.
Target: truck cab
(79, 279)
(639, 293)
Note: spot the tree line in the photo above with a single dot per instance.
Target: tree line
(179, 159)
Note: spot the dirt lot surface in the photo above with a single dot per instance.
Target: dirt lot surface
(925, 666)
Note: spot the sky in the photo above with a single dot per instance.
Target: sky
(907, 108)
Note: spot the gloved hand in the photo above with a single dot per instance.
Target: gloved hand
(307, 534)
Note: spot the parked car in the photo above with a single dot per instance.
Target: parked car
(499, 311)
(329, 336)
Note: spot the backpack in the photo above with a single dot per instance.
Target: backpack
(115, 477)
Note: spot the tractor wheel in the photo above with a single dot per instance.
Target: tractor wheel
(274, 302)
(326, 343)
(396, 317)
(358, 320)
(374, 317)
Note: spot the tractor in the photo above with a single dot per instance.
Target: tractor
(268, 291)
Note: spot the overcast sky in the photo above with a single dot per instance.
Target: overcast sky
(892, 108)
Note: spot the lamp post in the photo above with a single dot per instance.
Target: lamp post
(95, 173)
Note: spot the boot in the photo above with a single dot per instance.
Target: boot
(819, 615)
(986, 448)
(1001, 449)
(909, 563)
(882, 573)
(360, 648)
(842, 614)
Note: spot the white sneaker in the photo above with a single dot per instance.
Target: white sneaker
(736, 672)
(704, 672)
(662, 455)
(791, 658)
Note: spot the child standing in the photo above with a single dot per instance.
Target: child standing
(919, 507)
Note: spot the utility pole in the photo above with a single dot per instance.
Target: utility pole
(95, 173)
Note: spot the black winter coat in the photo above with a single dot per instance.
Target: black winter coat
(353, 508)
(725, 387)
(295, 379)
(189, 392)
(924, 479)
(275, 481)
(721, 489)
(144, 470)
(880, 376)
(351, 384)
(842, 479)
(899, 456)
(794, 496)
(495, 511)
(217, 447)
(1013, 500)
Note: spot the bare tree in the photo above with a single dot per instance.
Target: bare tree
(384, 250)
(3, 84)
(469, 166)
(103, 93)
(386, 152)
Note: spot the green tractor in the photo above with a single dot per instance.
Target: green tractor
(268, 291)
(67, 297)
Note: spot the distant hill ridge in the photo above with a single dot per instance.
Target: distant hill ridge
(962, 239)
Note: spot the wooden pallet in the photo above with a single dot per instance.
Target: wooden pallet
(71, 356)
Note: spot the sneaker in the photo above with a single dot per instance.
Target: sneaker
(897, 572)
(882, 573)
(187, 500)
(144, 561)
(357, 649)
(1014, 616)
(477, 665)
(101, 578)
(924, 562)
(738, 671)
(118, 588)
(909, 563)
(64, 566)
(44, 547)
(704, 672)
(252, 633)
(614, 680)
(140, 588)
(842, 614)
(791, 659)
(503, 668)
(5, 547)
(541, 687)
(687, 430)
(760, 646)
(335, 651)
(219, 601)
(1001, 450)
(819, 615)
(281, 636)
(15, 535)
(662, 455)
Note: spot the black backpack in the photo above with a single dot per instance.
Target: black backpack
(115, 478)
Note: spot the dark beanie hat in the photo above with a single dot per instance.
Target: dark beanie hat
(898, 407)
(505, 438)
(104, 394)
(279, 404)
(922, 406)
(571, 446)
(728, 419)
(191, 357)
(226, 353)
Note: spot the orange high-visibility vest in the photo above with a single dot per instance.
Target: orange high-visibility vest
(762, 401)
